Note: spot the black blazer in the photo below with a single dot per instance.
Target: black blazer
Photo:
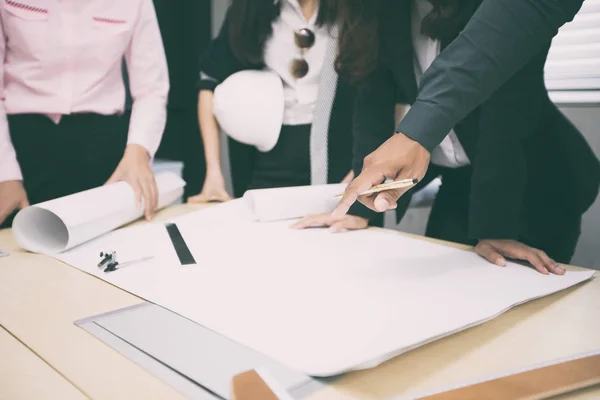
(219, 62)
(499, 40)
(529, 162)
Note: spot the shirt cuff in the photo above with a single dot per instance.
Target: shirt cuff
(207, 84)
(375, 218)
(424, 125)
(147, 124)
(9, 168)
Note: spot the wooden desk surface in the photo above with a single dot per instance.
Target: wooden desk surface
(44, 355)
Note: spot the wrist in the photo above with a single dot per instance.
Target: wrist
(136, 150)
(214, 171)
(407, 140)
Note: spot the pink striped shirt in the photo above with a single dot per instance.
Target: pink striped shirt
(65, 56)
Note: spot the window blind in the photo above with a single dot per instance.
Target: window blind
(573, 67)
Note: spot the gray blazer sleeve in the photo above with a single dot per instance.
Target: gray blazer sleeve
(501, 37)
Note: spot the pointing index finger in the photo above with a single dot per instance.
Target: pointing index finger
(362, 183)
(365, 181)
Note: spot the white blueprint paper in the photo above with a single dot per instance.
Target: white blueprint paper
(57, 225)
(321, 303)
(269, 205)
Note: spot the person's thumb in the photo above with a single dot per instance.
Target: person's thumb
(115, 177)
(24, 203)
(387, 200)
(196, 199)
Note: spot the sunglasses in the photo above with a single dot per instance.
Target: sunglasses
(304, 39)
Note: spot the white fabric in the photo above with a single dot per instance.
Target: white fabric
(300, 94)
(249, 107)
(450, 152)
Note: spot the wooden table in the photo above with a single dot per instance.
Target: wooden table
(43, 355)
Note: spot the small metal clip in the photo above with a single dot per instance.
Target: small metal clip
(111, 267)
(106, 257)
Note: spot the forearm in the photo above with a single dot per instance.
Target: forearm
(9, 166)
(501, 37)
(147, 124)
(149, 81)
(209, 129)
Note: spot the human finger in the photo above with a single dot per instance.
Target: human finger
(223, 196)
(350, 223)
(388, 200)
(199, 198)
(5, 211)
(24, 202)
(490, 253)
(525, 253)
(147, 195)
(153, 194)
(551, 265)
(115, 177)
(137, 190)
(314, 221)
(349, 177)
(362, 183)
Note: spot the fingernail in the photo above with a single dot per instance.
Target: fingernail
(381, 204)
(500, 262)
(560, 269)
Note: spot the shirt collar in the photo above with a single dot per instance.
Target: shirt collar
(298, 9)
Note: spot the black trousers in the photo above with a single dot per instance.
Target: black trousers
(449, 219)
(79, 153)
(287, 164)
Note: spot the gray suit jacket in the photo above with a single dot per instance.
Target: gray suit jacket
(501, 37)
(516, 135)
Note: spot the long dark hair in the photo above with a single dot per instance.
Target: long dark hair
(447, 19)
(359, 40)
(250, 25)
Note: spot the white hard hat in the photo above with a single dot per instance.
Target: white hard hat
(249, 107)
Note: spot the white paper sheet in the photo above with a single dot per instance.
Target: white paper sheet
(321, 303)
(57, 225)
(281, 204)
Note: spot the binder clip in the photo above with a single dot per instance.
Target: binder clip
(108, 261)
(106, 258)
(112, 266)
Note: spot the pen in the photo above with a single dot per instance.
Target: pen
(114, 265)
(388, 186)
